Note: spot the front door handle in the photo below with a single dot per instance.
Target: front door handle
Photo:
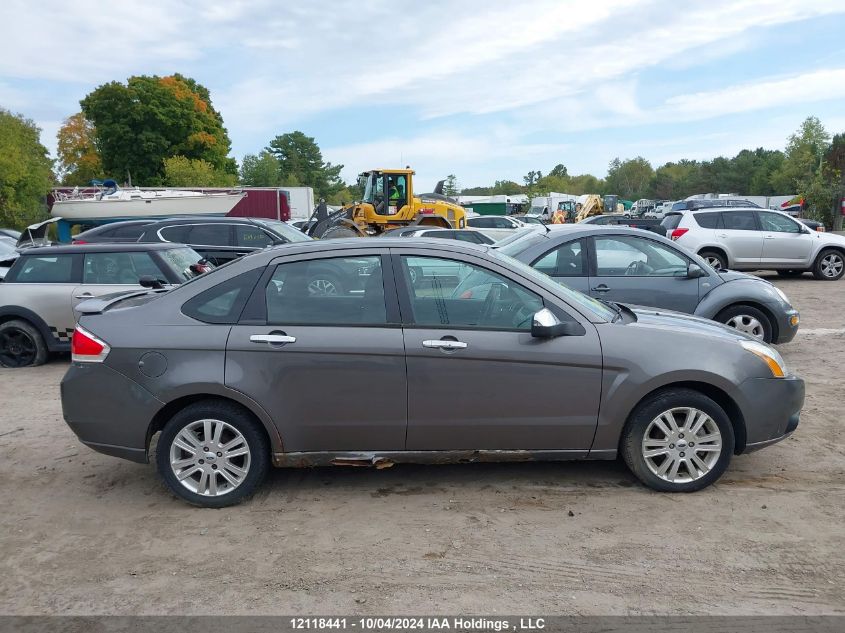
(84, 295)
(600, 288)
(722, 235)
(768, 237)
(242, 253)
(445, 345)
(273, 339)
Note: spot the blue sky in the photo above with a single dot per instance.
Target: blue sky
(483, 89)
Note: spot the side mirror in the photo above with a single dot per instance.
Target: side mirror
(546, 325)
(148, 281)
(694, 271)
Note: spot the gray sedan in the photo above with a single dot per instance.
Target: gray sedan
(630, 266)
(244, 367)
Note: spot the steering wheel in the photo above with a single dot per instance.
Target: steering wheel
(493, 295)
(634, 268)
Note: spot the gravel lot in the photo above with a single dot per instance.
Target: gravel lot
(83, 533)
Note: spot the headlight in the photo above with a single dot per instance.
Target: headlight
(769, 356)
(782, 295)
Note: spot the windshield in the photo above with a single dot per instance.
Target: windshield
(525, 240)
(573, 296)
(181, 260)
(516, 235)
(284, 230)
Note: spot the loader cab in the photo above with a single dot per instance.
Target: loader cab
(387, 192)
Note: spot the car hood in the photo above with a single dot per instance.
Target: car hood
(733, 275)
(678, 321)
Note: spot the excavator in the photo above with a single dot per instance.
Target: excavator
(389, 202)
(572, 212)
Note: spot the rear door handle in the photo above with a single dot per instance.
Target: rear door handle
(242, 253)
(600, 288)
(274, 339)
(445, 345)
(722, 235)
(768, 237)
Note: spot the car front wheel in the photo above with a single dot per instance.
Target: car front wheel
(747, 319)
(213, 454)
(678, 440)
(829, 266)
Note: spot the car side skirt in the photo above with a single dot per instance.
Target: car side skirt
(385, 459)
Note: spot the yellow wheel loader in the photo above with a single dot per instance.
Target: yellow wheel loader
(389, 202)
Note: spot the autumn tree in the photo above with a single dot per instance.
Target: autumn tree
(78, 158)
(25, 171)
(301, 164)
(149, 118)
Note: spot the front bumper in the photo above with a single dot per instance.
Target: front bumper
(787, 323)
(108, 412)
(771, 408)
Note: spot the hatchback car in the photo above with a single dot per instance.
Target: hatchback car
(43, 286)
(635, 267)
(243, 368)
(222, 239)
(758, 239)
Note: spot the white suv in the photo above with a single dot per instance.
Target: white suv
(757, 239)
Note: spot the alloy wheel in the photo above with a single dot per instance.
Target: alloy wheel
(832, 264)
(210, 457)
(17, 349)
(322, 287)
(748, 324)
(682, 445)
(713, 262)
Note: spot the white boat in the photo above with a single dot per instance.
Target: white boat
(111, 202)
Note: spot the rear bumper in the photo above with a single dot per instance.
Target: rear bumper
(108, 412)
(771, 409)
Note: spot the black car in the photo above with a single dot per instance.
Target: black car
(610, 219)
(113, 233)
(222, 239)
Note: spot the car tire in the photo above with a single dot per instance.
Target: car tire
(715, 259)
(21, 345)
(190, 475)
(699, 465)
(790, 273)
(748, 319)
(829, 265)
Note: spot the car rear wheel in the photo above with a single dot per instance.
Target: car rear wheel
(21, 345)
(678, 440)
(213, 454)
(829, 266)
(749, 320)
(714, 259)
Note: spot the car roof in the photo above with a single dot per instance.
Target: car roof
(721, 210)
(202, 219)
(356, 243)
(131, 247)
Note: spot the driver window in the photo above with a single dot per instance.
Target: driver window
(450, 293)
(637, 257)
(396, 192)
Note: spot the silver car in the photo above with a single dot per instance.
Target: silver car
(42, 288)
(757, 239)
(244, 368)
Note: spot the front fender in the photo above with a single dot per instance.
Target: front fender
(741, 291)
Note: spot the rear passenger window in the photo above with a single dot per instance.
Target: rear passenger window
(129, 232)
(224, 302)
(331, 291)
(55, 269)
(739, 220)
(118, 268)
(708, 220)
(210, 235)
(177, 234)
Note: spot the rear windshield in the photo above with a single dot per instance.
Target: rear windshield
(181, 260)
(707, 220)
(671, 221)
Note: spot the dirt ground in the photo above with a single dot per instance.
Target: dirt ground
(83, 533)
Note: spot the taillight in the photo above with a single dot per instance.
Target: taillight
(79, 242)
(676, 233)
(87, 348)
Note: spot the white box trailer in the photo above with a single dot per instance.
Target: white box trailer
(300, 201)
(545, 206)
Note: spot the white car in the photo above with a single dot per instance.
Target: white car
(757, 239)
(496, 227)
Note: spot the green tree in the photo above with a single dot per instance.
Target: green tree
(559, 171)
(804, 153)
(181, 171)
(150, 118)
(262, 170)
(79, 160)
(301, 164)
(629, 178)
(26, 171)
